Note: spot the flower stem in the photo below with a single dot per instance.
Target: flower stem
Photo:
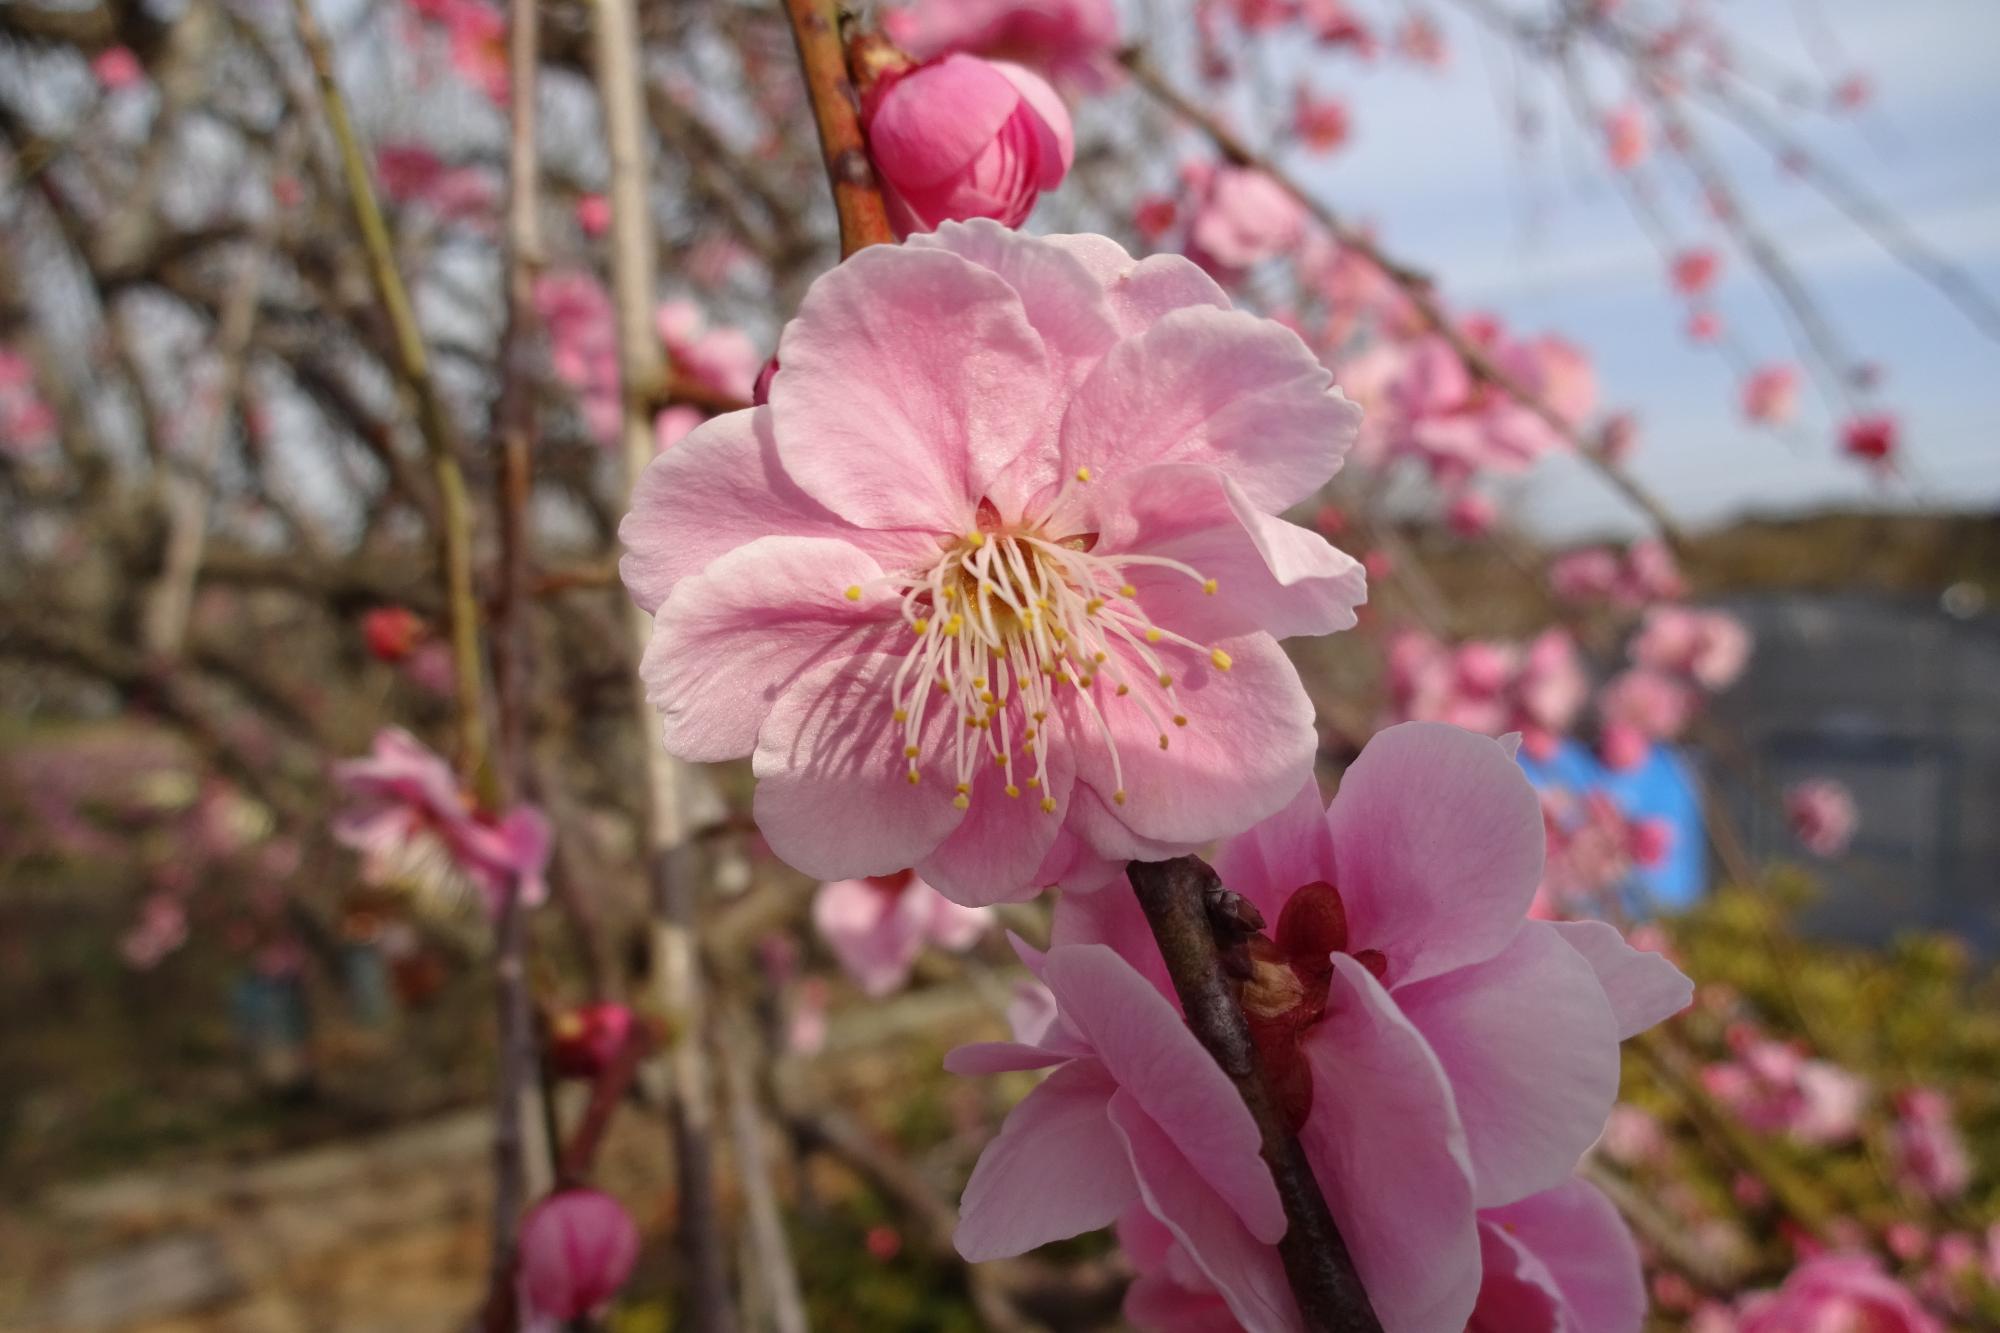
(1173, 895)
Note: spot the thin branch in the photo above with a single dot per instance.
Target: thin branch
(1174, 897)
(857, 198)
(433, 417)
(778, 1276)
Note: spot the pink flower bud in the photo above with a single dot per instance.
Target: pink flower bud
(963, 138)
(577, 1248)
(392, 633)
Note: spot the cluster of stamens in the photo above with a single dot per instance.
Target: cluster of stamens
(1017, 616)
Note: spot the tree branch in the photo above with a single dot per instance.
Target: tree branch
(857, 197)
(1173, 895)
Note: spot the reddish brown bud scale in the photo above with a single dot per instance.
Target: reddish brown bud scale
(1313, 927)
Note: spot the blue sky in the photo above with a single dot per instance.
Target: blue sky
(1549, 242)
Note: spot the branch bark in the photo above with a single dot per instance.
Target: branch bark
(857, 197)
(1173, 895)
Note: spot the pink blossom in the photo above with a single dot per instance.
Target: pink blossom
(1153, 216)
(877, 926)
(27, 422)
(577, 1249)
(1632, 1137)
(1241, 219)
(849, 584)
(1853, 92)
(1536, 689)
(1822, 815)
(1419, 38)
(593, 214)
(1333, 24)
(1694, 270)
(1435, 1052)
(1639, 707)
(391, 633)
(1711, 648)
(160, 930)
(1472, 514)
(412, 824)
(1836, 1291)
(1585, 575)
(1558, 1262)
(576, 310)
(1625, 137)
(1771, 395)
(1930, 1154)
(1704, 326)
(965, 138)
(1072, 41)
(1870, 438)
(116, 68)
(723, 361)
(805, 1032)
(583, 1042)
(1320, 122)
(476, 34)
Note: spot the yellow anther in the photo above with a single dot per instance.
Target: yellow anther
(1093, 606)
(1013, 791)
(901, 715)
(950, 592)
(919, 625)
(1127, 590)
(986, 696)
(1153, 635)
(1085, 682)
(1048, 805)
(913, 777)
(1034, 783)
(953, 626)
(1100, 658)
(1220, 658)
(1180, 719)
(1208, 586)
(1118, 797)
(962, 788)
(1040, 716)
(999, 761)
(1028, 735)
(1163, 742)
(961, 802)
(910, 752)
(1083, 474)
(1166, 679)
(1124, 690)
(853, 592)
(975, 539)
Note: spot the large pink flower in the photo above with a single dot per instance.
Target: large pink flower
(876, 927)
(413, 825)
(1437, 1052)
(1072, 41)
(965, 138)
(991, 587)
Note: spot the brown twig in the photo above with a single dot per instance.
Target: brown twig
(778, 1276)
(857, 197)
(1174, 896)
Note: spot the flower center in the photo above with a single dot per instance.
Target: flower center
(1007, 621)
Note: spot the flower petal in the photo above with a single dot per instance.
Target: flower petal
(1150, 1052)
(732, 638)
(720, 488)
(998, 1057)
(875, 935)
(1246, 1271)
(1389, 1152)
(1531, 1049)
(911, 380)
(1056, 1170)
(1248, 744)
(994, 854)
(1223, 388)
(933, 121)
(1437, 841)
(1111, 916)
(1279, 854)
(832, 796)
(1643, 987)
(1583, 1246)
(1270, 575)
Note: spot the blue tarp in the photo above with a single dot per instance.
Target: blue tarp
(1663, 787)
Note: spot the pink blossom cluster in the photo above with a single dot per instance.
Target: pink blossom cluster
(1537, 688)
(1424, 402)
(1679, 654)
(1777, 1088)
(1444, 1061)
(1593, 849)
(1822, 815)
(722, 361)
(1835, 1291)
(1642, 573)
(410, 173)
(1074, 42)
(415, 827)
(1930, 1155)
(475, 34)
(877, 926)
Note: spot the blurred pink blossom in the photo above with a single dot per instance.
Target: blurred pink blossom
(1072, 41)
(116, 67)
(1771, 395)
(1822, 816)
(877, 926)
(1710, 648)
(1776, 1088)
(1625, 137)
(1241, 218)
(1320, 122)
(577, 1248)
(1931, 1156)
(1836, 1291)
